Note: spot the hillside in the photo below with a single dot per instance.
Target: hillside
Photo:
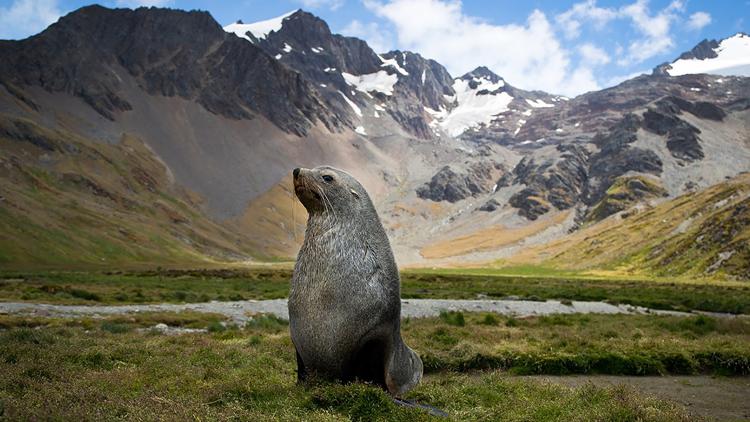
(699, 234)
(68, 202)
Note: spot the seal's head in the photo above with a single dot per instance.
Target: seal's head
(326, 189)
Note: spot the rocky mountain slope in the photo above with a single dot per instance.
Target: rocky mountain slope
(492, 170)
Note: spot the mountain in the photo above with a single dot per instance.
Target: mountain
(350, 74)
(198, 126)
(730, 56)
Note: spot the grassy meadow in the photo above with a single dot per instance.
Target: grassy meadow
(118, 368)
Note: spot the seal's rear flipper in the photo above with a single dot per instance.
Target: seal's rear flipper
(434, 411)
(301, 374)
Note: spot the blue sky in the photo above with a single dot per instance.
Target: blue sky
(566, 47)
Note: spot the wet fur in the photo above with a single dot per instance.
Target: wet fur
(344, 304)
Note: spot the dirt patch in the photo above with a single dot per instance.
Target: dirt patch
(715, 398)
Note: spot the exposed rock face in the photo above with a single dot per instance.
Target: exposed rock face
(88, 52)
(426, 84)
(703, 50)
(682, 137)
(616, 157)
(427, 80)
(305, 43)
(555, 182)
(453, 185)
(702, 109)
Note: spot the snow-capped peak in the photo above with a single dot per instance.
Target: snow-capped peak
(732, 58)
(259, 29)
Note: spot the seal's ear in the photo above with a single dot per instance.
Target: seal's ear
(354, 192)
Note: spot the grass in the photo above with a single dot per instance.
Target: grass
(657, 294)
(583, 344)
(114, 371)
(177, 286)
(144, 287)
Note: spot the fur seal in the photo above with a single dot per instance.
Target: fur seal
(345, 299)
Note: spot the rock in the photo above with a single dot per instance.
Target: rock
(452, 186)
(490, 206)
(672, 105)
(530, 203)
(682, 137)
(683, 143)
(550, 183)
(617, 157)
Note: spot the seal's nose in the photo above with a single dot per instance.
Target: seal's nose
(295, 172)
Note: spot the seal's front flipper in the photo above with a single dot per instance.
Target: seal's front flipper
(434, 411)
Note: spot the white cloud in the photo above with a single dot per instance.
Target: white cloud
(571, 20)
(378, 39)
(23, 18)
(139, 3)
(316, 4)
(698, 20)
(528, 55)
(654, 29)
(593, 55)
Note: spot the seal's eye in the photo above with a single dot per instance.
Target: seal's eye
(327, 178)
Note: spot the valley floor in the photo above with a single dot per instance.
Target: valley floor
(94, 346)
(132, 367)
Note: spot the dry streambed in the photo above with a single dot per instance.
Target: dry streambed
(241, 311)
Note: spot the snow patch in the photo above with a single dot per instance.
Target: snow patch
(317, 50)
(424, 73)
(277, 57)
(360, 130)
(329, 69)
(473, 109)
(259, 29)
(733, 58)
(539, 103)
(379, 81)
(287, 48)
(354, 107)
(394, 63)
